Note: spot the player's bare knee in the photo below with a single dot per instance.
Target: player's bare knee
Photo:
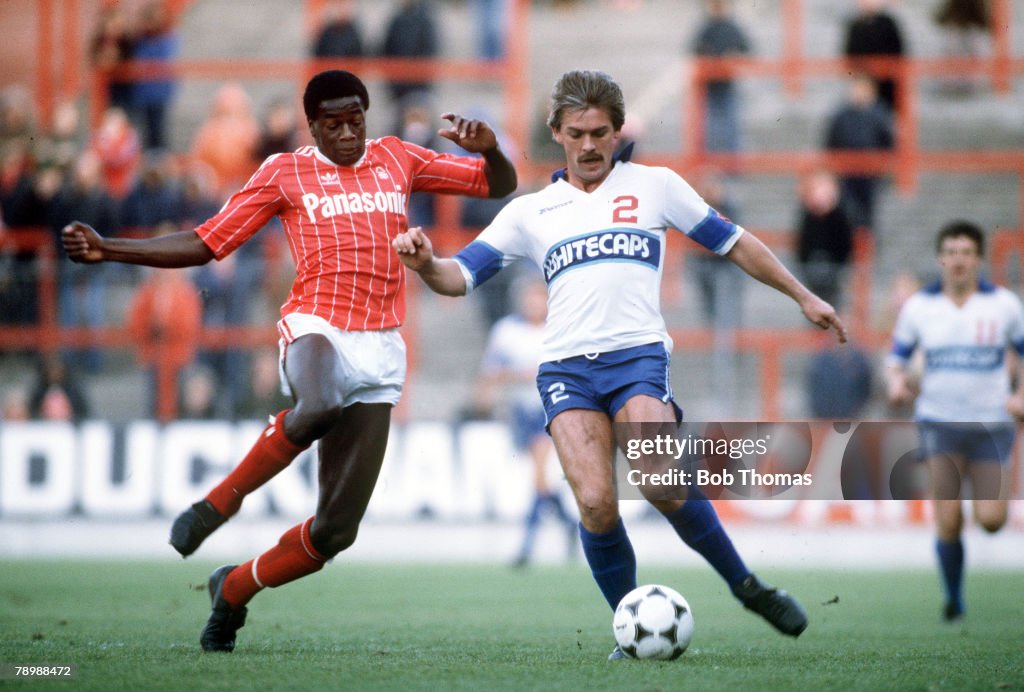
(992, 525)
(313, 419)
(992, 522)
(598, 516)
(330, 539)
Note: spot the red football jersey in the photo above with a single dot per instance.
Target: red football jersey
(340, 221)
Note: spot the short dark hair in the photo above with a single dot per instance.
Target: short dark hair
(961, 229)
(578, 90)
(332, 84)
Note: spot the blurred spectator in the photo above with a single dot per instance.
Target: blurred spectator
(197, 201)
(151, 98)
(721, 282)
(60, 145)
(165, 319)
(543, 146)
(860, 123)
(16, 164)
(30, 204)
(31, 200)
(824, 236)
(416, 124)
(967, 25)
(56, 394)
(228, 289)
(117, 144)
(874, 33)
(720, 36)
(839, 382)
(227, 139)
(721, 287)
(155, 197)
(901, 286)
(411, 33)
(340, 35)
(279, 131)
(17, 133)
(491, 19)
(113, 45)
(263, 395)
(17, 125)
(81, 288)
(197, 397)
(14, 405)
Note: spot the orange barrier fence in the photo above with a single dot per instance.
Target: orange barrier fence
(47, 335)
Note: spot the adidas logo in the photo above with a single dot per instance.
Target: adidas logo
(329, 178)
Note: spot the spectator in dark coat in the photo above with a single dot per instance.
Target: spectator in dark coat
(874, 33)
(411, 33)
(340, 35)
(152, 98)
(721, 36)
(824, 236)
(861, 123)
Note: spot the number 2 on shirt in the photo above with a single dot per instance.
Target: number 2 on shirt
(625, 205)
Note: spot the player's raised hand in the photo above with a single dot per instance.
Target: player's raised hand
(82, 243)
(414, 248)
(824, 315)
(474, 136)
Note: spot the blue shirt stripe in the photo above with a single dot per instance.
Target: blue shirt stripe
(482, 260)
(713, 231)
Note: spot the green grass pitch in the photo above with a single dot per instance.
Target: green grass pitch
(135, 625)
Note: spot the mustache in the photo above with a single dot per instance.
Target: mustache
(590, 157)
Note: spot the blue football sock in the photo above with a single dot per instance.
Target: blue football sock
(951, 567)
(697, 524)
(612, 561)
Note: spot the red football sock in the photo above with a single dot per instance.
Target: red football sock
(292, 558)
(271, 453)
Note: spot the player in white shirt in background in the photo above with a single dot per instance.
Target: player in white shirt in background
(598, 234)
(965, 327)
(506, 386)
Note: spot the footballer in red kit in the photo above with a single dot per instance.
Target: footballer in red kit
(341, 203)
(340, 221)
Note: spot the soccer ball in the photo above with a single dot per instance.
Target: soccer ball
(653, 621)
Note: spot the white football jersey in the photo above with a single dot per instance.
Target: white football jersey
(601, 253)
(965, 373)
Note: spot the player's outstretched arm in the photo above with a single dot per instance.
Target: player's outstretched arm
(182, 249)
(898, 389)
(443, 276)
(477, 137)
(754, 257)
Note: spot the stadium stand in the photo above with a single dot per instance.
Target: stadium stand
(955, 156)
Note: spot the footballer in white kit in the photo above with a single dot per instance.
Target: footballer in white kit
(598, 234)
(966, 410)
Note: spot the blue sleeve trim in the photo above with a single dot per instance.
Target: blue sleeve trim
(713, 231)
(481, 260)
(902, 351)
(1018, 346)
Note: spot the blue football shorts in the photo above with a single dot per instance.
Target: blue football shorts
(976, 442)
(605, 381)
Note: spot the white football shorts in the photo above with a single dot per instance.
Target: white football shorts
(373, 362)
